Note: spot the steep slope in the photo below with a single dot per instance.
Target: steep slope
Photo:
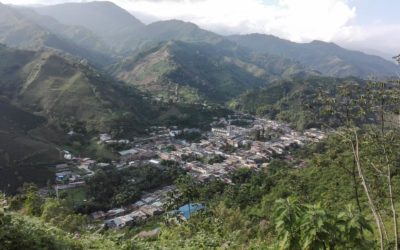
(27, 30)
(328, 58)
(17, 146)
(78, 34)
(65, 90)
(108, 21)
(192, 72)
(23, 156)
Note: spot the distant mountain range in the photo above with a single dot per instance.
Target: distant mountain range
(327, 58)
(102, 32)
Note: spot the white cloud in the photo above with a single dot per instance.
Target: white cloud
(292, 19)
(382, 38)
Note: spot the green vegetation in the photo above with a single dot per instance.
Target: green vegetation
(74, 197)
(199, 71)
(291, 101)
(327, 58)
(110, 187)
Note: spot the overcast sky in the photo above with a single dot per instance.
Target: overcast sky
(369, 25)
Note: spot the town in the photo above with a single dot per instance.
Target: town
(233, 142)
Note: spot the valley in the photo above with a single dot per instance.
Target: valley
(117, 133)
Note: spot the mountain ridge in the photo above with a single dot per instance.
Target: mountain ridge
(328, 58)
(203, 71)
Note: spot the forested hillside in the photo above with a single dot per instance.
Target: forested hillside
(327, 58)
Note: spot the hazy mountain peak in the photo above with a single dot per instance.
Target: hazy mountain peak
(112, 23)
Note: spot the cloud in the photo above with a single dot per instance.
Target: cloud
(292, 19)
(383, 38)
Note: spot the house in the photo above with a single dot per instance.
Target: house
(126, 220)
(174, 133)
(128, 154)
(158, 204)
(105, 137)
(123, 141)
(191, 130)
(87, 162)
(63, 175)
(155, 162)
(62, 167)
(188, 209)
(149, 199)
(115, 212)
(67, 155)
(138, 215)
(150, 210)
(220, 131)
(139, 204)
(103, 164)
(115, 223)
(98, 215)
(75, 178)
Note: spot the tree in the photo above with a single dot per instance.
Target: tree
(366, 116)
(309, 227)
(188, 189)
(32, 203)
(127, 194)
(287, 214)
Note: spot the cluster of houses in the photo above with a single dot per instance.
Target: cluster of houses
(163, 143)
(107, 139)
(67, 177)
(151, 204)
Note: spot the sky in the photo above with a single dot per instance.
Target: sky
(369, 25)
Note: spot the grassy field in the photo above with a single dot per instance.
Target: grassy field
(74, 196)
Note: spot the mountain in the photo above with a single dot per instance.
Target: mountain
(170, 30)
(121, 30)
(17, 31)
(45, 94)
(57, 86)
(24, 29)
(78, 34)
(124, 34)
(192, 72)
(327, 58)
(105, 19)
